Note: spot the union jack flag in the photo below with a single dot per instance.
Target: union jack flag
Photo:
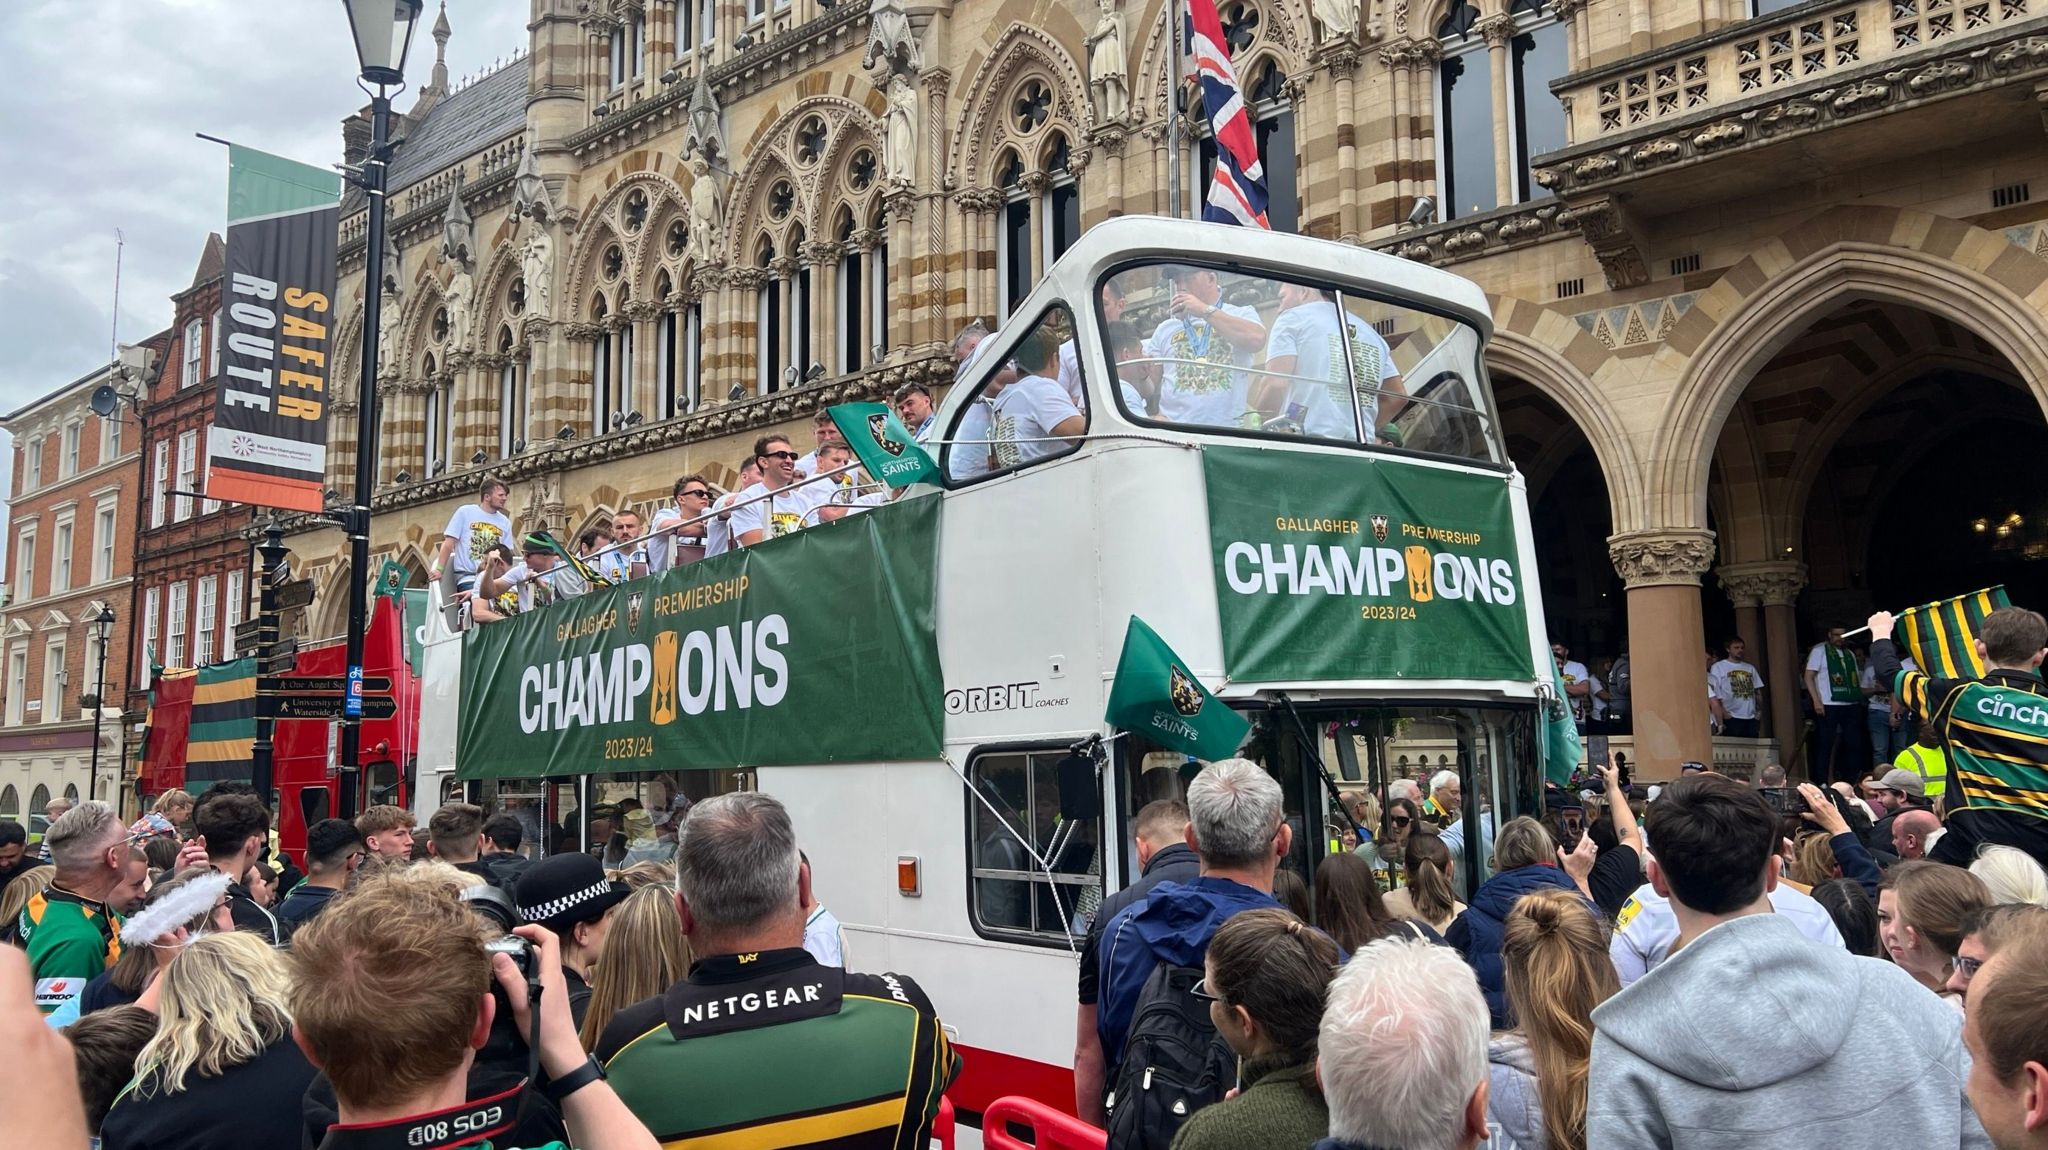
(1237, 192)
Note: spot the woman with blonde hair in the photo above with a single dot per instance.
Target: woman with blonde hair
(2011, 875)
(176, 806)
(182, 907)
(1427, 894)
(222, 1072)
(1557, 970)
(644, 874)
(645, 953)
(1527, 859)
(1920, 913)
(15, 895)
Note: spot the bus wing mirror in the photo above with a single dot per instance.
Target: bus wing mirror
(1079, 796)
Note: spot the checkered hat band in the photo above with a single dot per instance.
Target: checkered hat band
(568, 902)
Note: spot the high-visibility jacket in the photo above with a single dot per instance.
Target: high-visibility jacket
(1930, 763)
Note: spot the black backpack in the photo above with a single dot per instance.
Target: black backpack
(1174, 1063)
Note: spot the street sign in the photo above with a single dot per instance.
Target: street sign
(250, 633)
(331, 706)
(297, 593)
(320, 685)
(278, 656)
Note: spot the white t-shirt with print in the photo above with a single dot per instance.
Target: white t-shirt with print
(531, 589)
(1817, 662)
(790, 510)
(1070, 375)
(1204, 382)
(1647, 927)
(1028, 410)
(1309, 334)
(1735, 683)
(718, 529)
(1573, 672)
(965, 457)
(477, 532)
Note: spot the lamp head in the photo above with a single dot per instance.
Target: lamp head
(383, 34)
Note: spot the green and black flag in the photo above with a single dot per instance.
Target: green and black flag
(886, 449)
(1942, 637)
(223, 734)
(1155, 695)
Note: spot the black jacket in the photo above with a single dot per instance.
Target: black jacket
(254, 1104)
(1176, 863)
(249, 916)
(508, 866)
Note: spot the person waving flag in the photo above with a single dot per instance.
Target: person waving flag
(1237, 192)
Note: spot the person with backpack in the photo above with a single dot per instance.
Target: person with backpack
(1163, 1055)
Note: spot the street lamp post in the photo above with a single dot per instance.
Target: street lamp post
(104, 622)
(383, 32)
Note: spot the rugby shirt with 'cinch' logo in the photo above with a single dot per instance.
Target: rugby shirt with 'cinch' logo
(1996, 733)
(774, 1050)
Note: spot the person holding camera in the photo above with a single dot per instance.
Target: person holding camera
(391, 998)
(743, 1045)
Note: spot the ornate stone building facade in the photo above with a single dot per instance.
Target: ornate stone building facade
(1754, 270)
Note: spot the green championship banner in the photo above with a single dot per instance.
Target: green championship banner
(1356, 567)
(819, 647)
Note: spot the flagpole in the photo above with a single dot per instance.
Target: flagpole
(1174, 79)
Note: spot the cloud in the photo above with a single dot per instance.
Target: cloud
(99, 137)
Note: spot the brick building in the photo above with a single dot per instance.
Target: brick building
(192, 560)
(70, 558)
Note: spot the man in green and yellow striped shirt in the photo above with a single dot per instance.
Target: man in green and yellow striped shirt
(1995, 729)
(761, 1045)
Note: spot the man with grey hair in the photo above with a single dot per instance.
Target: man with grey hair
(1402, 1051)
(1238, 830)
(757, 1007)
(72, 928)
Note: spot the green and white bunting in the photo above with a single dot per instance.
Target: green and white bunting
(815, 648)
(886, 449)
(1360, 567)
(1155, 695)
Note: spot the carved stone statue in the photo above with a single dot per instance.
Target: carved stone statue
(891, 41)
(456, 299)
(536, 266)
(387, 331)
(1106, 64)
(1339, 18)
(707, 213)
(902, 138)
(704, 137)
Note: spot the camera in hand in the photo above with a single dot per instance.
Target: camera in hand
(506, 1046)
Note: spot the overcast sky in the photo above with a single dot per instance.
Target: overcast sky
(104, 100)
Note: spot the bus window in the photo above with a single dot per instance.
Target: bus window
(1250, 353)
(637, 816)
(382, 781)
(1028, 406)
(537, 805)
(1017, 794)
(314, 805)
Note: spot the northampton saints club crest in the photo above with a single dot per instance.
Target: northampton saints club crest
(1184, 691)
(878, 426)
(633, 611)
(1379, 528)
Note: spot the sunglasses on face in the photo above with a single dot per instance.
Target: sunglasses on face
(697, 492)
(1201, 990)
(789, 455)
(1401, 820)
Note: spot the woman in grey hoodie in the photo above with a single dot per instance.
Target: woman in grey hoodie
(1557, 970)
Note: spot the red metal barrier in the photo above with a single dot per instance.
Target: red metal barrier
(942, 1124)
(1050, 1129)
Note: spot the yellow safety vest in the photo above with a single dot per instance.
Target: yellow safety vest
(1930, 763)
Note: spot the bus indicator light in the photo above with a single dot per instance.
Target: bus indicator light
(909, 876)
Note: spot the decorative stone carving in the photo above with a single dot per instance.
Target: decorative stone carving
(901, 148)
(1859, 98)
(704, 136)
(892, 48)
(1338, 18)
(529, 191)
(1936, 78)
(455, 298)
(1107, 66)
(1656, 152)
(536, 267)
(707, 213)
(1719, 136)
(1497, 29)
(458, 231)
(1661, 558)
(1769, 584)
(1607, 229)
(387, 328)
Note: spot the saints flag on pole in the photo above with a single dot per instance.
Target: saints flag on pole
(886, 449)
(1155, 695)
(1942, 637)
(1237, 189)
(1562, 749)
(268, 443)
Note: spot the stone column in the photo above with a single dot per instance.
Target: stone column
(1498, 30)
(741, 319)
(977, 208)
(1394, 59)
(1110, 140)
(1662, 570)
(644, 390)
(1775, 586)
(901, 208)
(822, 256)
(1341, 58)
(709, 287)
